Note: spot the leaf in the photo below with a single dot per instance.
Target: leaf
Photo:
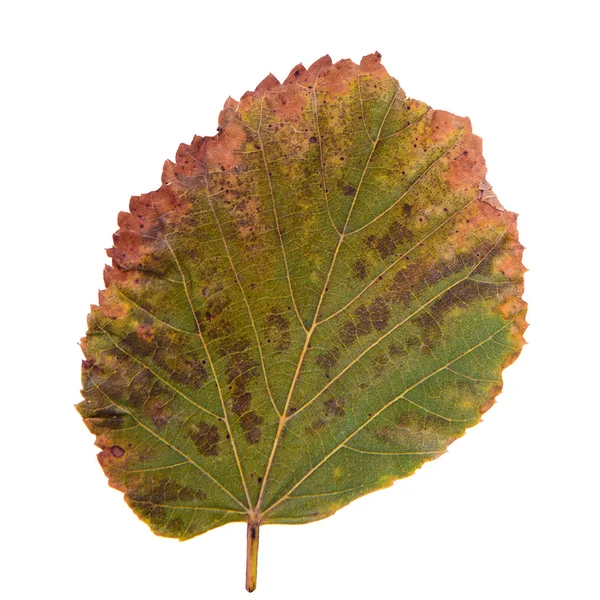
(315, 302)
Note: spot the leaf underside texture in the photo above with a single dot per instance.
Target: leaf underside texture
(315, 302)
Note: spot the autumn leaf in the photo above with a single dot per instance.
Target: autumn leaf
(316, 301)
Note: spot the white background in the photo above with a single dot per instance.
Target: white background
(96, 95)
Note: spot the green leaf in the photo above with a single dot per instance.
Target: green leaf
(316, 301)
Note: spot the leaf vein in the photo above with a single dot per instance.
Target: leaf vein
(278, 227)
(214, 372)
(377, 413)
(239, 282)
(310, 332)
(173, 447)
(389, 332)
(162, 379)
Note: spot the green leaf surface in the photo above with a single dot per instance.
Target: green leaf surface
(315, 302)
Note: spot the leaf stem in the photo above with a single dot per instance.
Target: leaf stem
(251, 556)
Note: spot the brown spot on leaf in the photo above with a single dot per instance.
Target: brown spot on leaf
(316, 425)
(217, 304)
(247, 216)
(348, 190)
(328, 360)
(251, 422)
(164, 491)
(145, 332)
(152, 513)
(142, 385)
(138, 345)
(335, 407)
(379, 313)
(241, 368)
(461, 295)
(359, 269)
(430, 331)
(206, 438)
(117, 451)
(159, 413)
(375, 316)
(397, 350)
(380, 362)
(108, 459)
(387, 244)
(278, 330)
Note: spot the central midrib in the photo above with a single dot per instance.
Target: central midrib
(283, 419)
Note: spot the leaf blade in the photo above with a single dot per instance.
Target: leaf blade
(317, 300)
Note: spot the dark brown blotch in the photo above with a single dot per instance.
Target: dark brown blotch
(412, 279)
(241, 368)
(250, 423)
(141, 387)
(367, 318)
(181, 364)
(430, 331)
(335, 407)
(328, 360)
(247, 213)
(139, 345)
(206, 438)
(164, 491)
(117, 451)
(315, 426)
(380, 362)
(461, 296)
(348, 190)
(240, 400)
(216, 307)
(359, 269)
(278, 330)
(159, 413)
(149, 512)
(176, 525)
(397, 350)
(387, 244)
(379, 314)
(145, 331)
(115, 385)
